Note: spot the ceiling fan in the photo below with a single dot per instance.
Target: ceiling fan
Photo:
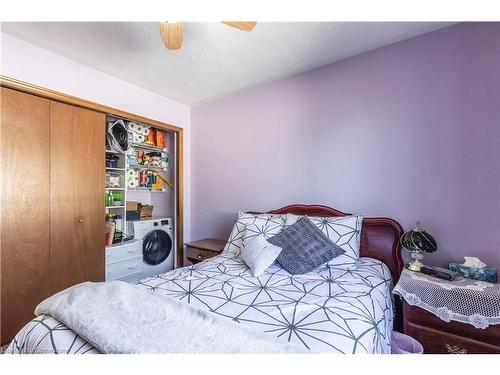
(172, 32)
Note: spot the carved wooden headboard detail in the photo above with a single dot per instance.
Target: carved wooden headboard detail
(379, 240)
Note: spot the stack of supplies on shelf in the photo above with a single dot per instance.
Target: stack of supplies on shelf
(114, 229)
(138, 211)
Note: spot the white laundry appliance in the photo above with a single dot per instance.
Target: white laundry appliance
(158, 249)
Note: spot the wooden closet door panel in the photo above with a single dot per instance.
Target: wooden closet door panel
(24, 254)
(76, 196)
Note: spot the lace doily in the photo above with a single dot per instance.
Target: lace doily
(463, 300)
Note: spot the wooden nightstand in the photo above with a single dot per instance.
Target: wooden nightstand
(198, 251)
(447, 317)
(440, 337)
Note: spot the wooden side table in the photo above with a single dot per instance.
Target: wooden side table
(440, 337)
(450, 317)
(198, 251)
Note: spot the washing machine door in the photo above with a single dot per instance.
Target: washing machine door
(156, 247)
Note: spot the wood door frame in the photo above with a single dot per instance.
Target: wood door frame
(29, 88)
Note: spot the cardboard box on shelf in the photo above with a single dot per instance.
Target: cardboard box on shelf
(146, 211)
(133, 206)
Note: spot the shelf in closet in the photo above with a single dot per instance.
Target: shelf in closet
(114, 169)
(148, 147)
(114, 152)
(115, 189)
(147, 189)
(160, 169)
(107, 207)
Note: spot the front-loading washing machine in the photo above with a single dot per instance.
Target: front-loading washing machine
(157, 244)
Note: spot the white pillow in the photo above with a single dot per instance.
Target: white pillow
(344, 231)
(255, 224)
(258, 254)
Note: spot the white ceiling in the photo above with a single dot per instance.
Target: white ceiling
(215, 59)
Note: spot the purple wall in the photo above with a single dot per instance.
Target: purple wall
(410, 131)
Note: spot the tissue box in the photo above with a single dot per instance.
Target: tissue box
(487, 274)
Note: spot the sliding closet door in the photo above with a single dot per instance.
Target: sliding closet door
(24, 214)
(76, 196)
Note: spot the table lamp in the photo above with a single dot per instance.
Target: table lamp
(418, 242)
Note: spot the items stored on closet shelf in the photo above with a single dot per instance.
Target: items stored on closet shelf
(112, 160)
(145, 179)
(114, 229)
(112, 217)
(109, 233)
(137, 210)
(151, 180)
(147, 135)
(114, 180)
(132, 177)
(113, 233)
(121, 134)
(138, 157)
(117, 136)
(113, 198)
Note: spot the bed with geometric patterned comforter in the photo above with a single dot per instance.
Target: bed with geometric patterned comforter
(327, 310)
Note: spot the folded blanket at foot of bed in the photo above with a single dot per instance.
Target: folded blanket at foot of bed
(117, 317)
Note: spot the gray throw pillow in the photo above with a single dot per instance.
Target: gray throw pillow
(305, 247)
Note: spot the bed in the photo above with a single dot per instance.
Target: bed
(327, 310)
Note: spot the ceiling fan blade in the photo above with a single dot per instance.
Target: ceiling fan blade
(245, 26)
(171, 34)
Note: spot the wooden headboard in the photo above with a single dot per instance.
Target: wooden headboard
(379, 240)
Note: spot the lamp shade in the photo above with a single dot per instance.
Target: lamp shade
(418, 240)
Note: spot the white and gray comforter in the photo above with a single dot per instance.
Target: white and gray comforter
(327, 310)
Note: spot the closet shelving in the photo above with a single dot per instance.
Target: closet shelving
(159, 172)
(146, 160)
(148, 190)
(148, 147)
(117, 171)
(164, 169)
(114, 169)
